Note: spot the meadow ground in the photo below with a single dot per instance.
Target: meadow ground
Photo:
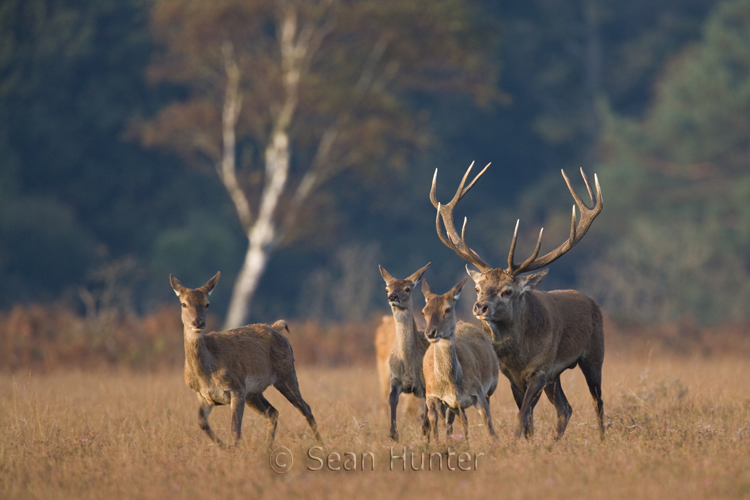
(677, 428)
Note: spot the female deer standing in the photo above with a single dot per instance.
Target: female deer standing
(235, 367)
(460, 367)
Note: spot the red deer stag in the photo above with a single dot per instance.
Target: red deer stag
(236, 366)
(536, 335)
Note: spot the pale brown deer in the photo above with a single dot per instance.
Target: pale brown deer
(460, 367)
(385, 338)
(405, 359)
(235, 367)
(536, 335)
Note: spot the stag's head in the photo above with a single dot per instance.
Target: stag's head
(440, 312)
(194, 302)
(400, 291)
(500, 292)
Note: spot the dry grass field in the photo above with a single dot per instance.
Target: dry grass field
(677, 428)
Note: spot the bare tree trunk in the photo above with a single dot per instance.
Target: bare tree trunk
(297, 47)
(261, 236)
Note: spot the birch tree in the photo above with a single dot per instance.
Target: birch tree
(283, 95)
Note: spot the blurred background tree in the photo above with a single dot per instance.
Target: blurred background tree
(651, 95)
(683, 179)
(283, 96)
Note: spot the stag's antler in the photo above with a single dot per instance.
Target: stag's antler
(445, 212)
(577, 232)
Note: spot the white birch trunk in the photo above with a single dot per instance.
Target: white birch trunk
(261, 236)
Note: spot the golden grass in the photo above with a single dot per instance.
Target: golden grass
(678, 428)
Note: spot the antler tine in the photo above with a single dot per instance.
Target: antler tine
(451, 238)
(577, 231)
(512, 268)
(476, 178)
(461, 191)
(533, 255)
(477, 260)
(433, 190)
(512, 253)
(588, 186)
(446, 240)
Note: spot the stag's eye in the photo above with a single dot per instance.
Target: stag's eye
(407, 289)
(506, 293)
(207, 305)
(447, 310)
(184, 305)
(477, 289)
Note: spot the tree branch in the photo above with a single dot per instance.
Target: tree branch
(227, 170)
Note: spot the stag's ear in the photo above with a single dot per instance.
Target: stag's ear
(385, 274)
(176, 285)
(414, 278)
(475, 275)
(531, 281)
(209, 286)
(456, 290)
(427, 291)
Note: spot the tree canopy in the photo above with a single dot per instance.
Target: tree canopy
(104, 103)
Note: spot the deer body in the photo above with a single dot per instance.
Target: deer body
(548, 333)
(460, 368)
(536, 335)
(385, 336)
(409, 346)
(235, 367)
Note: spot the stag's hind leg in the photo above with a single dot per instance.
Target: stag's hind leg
(290, 390)
(556, 396)
(261, 405)
(592, 371)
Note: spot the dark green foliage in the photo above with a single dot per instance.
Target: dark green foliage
(652, 95)
(683, 186)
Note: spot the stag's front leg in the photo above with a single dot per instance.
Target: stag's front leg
(531, 397)
(393, 401)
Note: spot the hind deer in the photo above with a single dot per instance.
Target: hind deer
(405, 360)
(235, 367)
(536, 335)
(385, 338)
(460, 367)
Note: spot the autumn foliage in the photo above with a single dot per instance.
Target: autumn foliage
(44, 339)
